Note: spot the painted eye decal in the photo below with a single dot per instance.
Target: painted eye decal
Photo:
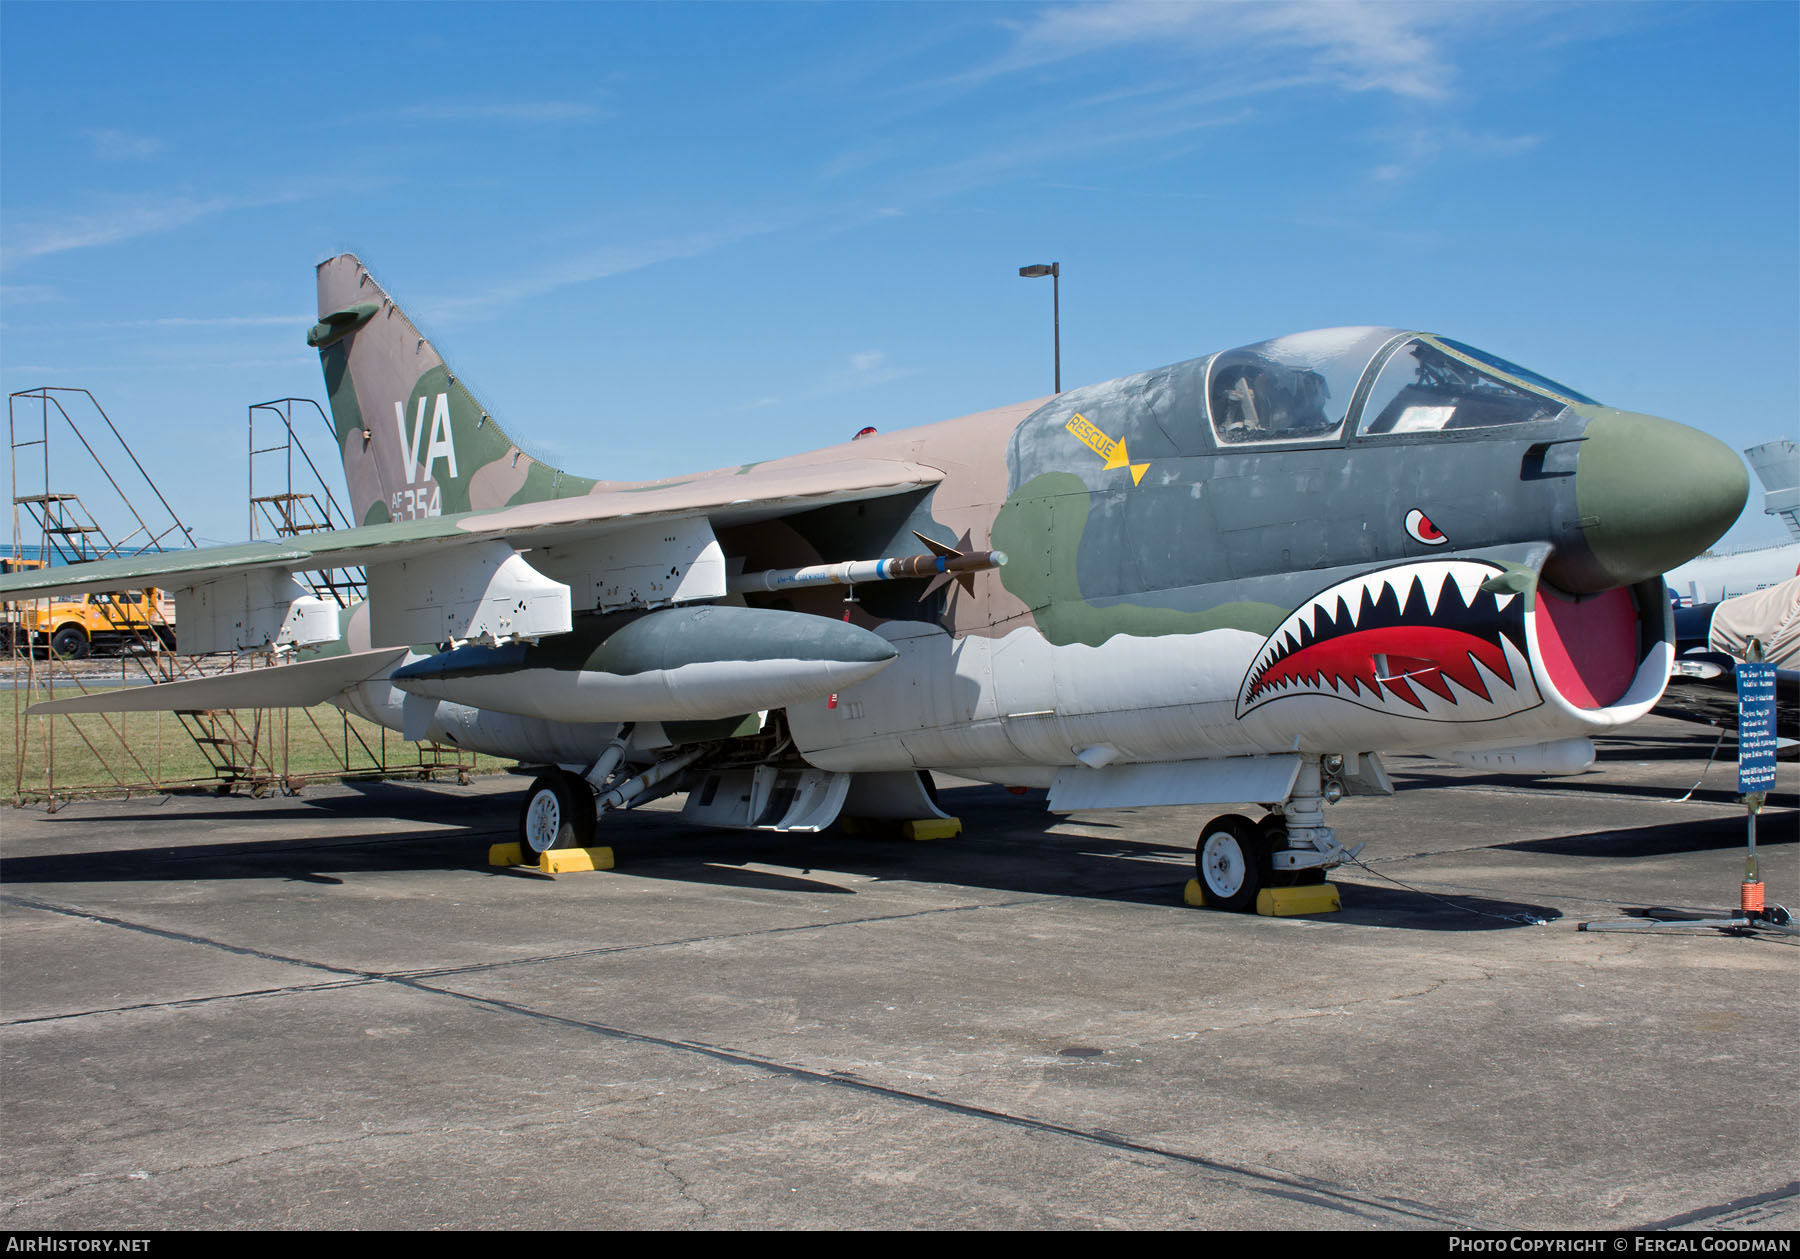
(1419, 525)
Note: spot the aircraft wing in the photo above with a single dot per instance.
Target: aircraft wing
(734, 498)
(299, 685)
(463, 576)
(730, 498)
(154, 568)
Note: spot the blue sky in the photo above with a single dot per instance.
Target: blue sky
(662, 237)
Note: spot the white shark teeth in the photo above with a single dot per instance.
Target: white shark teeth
(1346, 607)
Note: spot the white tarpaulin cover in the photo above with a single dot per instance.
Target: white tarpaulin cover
(1771, 616)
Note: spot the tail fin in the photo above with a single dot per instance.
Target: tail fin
(415, 442)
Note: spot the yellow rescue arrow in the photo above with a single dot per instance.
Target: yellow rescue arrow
(1113, 452)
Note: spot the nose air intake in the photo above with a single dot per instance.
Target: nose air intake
(1650, 495)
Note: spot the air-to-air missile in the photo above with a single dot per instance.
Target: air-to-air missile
(944, 565)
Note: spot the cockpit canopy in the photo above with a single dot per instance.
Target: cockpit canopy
(1310, 386)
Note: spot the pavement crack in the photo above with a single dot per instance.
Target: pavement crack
(180, 937)
(1737, 1206)
(1341, 1199)
(353, 977)
(182, 1003)
(473, 968)
(1343, 1008)
(1351, 1203)
(665, 1163)
(87, 1184)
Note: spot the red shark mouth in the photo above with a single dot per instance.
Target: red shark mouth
(1420, 640)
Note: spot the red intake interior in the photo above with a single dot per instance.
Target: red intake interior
(1589, 648)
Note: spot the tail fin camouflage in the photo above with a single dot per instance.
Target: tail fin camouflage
(415, 442)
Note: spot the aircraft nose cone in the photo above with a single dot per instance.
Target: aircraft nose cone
(1651, 494)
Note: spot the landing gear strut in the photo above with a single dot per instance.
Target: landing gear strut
(1291, 847)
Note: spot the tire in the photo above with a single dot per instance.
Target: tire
(558, 813)
(1272, 830)
(71, 643)
(1231, 862)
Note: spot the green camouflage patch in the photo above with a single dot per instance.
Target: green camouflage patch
(1040, 527)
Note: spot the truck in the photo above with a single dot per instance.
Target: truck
(77, 627)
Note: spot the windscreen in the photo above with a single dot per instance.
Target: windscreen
(1430, 385)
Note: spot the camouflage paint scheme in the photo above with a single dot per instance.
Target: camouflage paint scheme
(1206, 560)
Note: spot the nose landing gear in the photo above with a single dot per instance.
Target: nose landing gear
(1236, 859)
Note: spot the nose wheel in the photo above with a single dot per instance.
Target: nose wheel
(558, 812)
(1231, 862)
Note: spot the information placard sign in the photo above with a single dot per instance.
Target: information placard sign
(1756, 727)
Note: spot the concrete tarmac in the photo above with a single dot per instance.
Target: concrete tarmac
(329, 1012)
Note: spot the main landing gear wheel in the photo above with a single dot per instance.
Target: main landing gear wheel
(1232, 862)
(558, 813)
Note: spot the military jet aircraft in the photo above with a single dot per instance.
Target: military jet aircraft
(1241, 578)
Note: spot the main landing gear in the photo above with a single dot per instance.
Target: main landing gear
(562, 809)
(1236, 858)
(558, 812)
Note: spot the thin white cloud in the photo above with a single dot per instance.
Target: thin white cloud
(1133, 193)
(867, 367)
(500, 111)
(1357, 45)
(1194, 67)
(1424, 145)
(122, 146)
(165, 361)
(1191, 64)
(587, 266)
(995, 163)
(864, 369)
(29, 294)
(226, 321)
(300, 321)
(124, 219)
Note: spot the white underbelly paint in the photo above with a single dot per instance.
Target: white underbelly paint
(1018, 700)
(533, 740)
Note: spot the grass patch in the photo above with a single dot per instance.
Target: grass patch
(92, 752)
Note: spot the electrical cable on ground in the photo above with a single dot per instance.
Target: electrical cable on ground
(1717, 743)
(1530, 920)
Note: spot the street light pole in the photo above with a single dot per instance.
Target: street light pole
(1054, 271)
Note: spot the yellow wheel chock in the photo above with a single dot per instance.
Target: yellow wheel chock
(1280, 902)
(554, 861)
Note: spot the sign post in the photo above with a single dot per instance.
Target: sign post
(1756, 759)
(1756, 775)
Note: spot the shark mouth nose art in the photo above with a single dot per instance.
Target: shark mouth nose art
(1420, 640)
